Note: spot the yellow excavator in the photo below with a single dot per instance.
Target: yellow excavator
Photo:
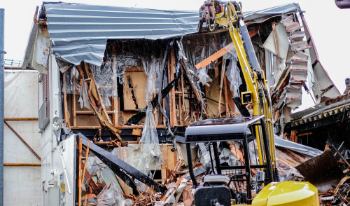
(250, 183)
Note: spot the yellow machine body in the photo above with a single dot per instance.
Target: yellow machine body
(287, 194)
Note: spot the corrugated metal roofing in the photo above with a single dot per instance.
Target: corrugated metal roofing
(80, 32)
(276, 10)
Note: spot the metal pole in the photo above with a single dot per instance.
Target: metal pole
(2, 64)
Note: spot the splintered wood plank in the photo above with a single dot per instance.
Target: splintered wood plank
(229, 100)
(183, 108)
(66, 113)
(212, 95)
(197, 95)
(170, 78)
(226, 98)
(215, 56)
(173, 108)
(221, 84)
(222, 52)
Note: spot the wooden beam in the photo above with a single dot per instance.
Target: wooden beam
(304, 134)
(218, 62)
(275, 38)
(115, 112)
(277, 115)
(22, 165)
(230, 101)
(226, 98)
(21, 119)
(24, 142)
(215, 56)
(254, 32)
(90, 181)
(293, 136)
(66, 113)
(221, 52)
(221, 84)
(86, 159)
(194, 89)
(90, 112)
(183, 108)
(99, 107)
(179, 93)
(173, 107)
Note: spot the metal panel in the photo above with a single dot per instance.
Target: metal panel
(321, 76)
(43, 117)
(266, 13)
(283, 42)
(80, 32)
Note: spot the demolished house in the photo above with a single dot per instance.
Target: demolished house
(119, 86)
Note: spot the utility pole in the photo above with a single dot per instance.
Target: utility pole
(2, 65)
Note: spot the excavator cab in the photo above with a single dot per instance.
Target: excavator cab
(227, 183)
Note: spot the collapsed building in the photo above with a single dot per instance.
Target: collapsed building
(119, 86)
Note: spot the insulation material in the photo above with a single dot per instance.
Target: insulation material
(83, 97)
(105, 80)
(149, 144)
(233, 72)
(22, 185)
(72, 75)
(203, 76)
(152, 70)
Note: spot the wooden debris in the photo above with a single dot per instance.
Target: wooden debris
(86, 159)
(97, 104)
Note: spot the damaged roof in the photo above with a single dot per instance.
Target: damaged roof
(269, 12)
(80, 32)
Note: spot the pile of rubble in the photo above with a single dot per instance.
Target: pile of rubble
(103, 188)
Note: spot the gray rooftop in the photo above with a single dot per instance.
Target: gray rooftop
(80, 32)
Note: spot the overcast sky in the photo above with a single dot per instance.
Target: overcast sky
(329, 26)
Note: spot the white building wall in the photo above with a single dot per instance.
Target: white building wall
(22, 184)
(53, 163)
